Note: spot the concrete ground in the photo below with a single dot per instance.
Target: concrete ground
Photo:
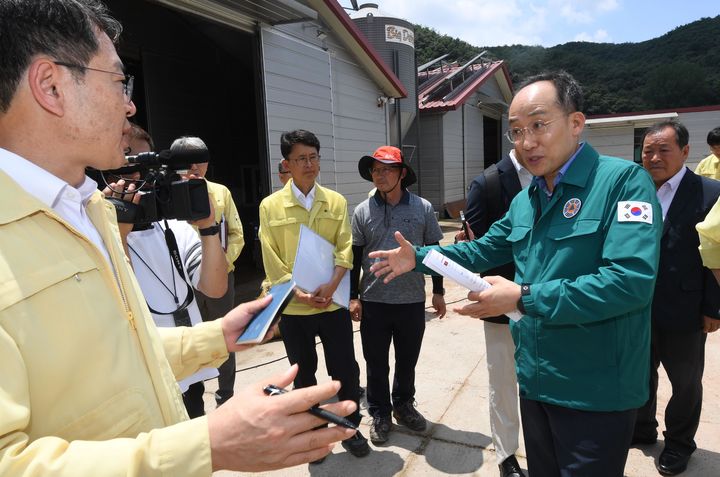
(452, 393)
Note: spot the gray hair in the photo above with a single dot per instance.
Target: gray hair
(186, 143)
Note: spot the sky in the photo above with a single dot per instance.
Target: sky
(548, 22)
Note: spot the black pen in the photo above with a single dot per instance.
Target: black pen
(272, 390)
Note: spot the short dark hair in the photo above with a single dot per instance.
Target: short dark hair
(569, 93)
(136, 132)
(713, 138)
(299, 136)
(682, 137)
(65, 30)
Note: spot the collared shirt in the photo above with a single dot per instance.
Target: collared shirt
(585, 341)
(62, 293)
(523, 174)
(305, 200)
(374, 224)
(281, 215)
(65, 200)
(666, 192)
(542, 184)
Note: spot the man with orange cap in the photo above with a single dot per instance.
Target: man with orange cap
(393, 312)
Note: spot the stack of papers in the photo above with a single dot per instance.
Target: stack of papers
(315, 266)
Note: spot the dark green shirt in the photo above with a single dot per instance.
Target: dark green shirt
(591, 255)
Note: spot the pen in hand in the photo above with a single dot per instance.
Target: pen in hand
(272, 390)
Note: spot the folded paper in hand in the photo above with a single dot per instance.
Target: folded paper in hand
(258, 327)
(439, 263)
(315, 266)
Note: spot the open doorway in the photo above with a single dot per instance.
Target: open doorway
(200, 78)
(491, 141)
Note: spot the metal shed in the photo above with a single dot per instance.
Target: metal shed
(462, 115)
(239, 72)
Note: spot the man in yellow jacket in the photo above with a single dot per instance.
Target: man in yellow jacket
(88, 382)
(709, 232)
(231, 237)
(304, 202)
(710, 166)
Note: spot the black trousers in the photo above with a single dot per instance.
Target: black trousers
(404, 325)
(212, 309)
(682, 354)
(193, 400)
(570, 443)
(335, 331)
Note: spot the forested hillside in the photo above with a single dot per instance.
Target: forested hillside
(678, 69)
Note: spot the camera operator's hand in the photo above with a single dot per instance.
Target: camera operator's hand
(124, 190)
(208, 221)
(213, 280)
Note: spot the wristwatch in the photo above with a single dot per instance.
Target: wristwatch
(212, 230)
(524, 290)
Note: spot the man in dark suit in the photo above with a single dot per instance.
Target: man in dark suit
(686, 303)
(488, 199)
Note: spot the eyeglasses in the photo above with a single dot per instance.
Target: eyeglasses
(307, 160)
(381, 171)
(128, 81)
(536, 128)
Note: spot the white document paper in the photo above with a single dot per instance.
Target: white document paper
(439, 263)
(315, 265)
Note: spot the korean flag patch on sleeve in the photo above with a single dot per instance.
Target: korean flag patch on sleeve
(635, 211)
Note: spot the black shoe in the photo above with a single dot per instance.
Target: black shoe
(357, 445)
(671, 462)
(380, 429)
(510, 468)
(407, 415)
(638, 440)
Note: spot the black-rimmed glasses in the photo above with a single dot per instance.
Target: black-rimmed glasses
(128, 81)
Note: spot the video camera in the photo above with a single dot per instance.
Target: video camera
(164, 194)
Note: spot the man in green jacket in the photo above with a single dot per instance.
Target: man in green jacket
(585, 241)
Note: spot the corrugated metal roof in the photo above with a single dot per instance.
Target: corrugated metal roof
(436, 95)
(245, 14)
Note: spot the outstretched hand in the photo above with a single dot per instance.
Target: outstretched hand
(395, 262)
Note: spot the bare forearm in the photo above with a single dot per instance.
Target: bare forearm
(213, 267)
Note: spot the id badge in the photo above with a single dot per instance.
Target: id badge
(182, 317)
